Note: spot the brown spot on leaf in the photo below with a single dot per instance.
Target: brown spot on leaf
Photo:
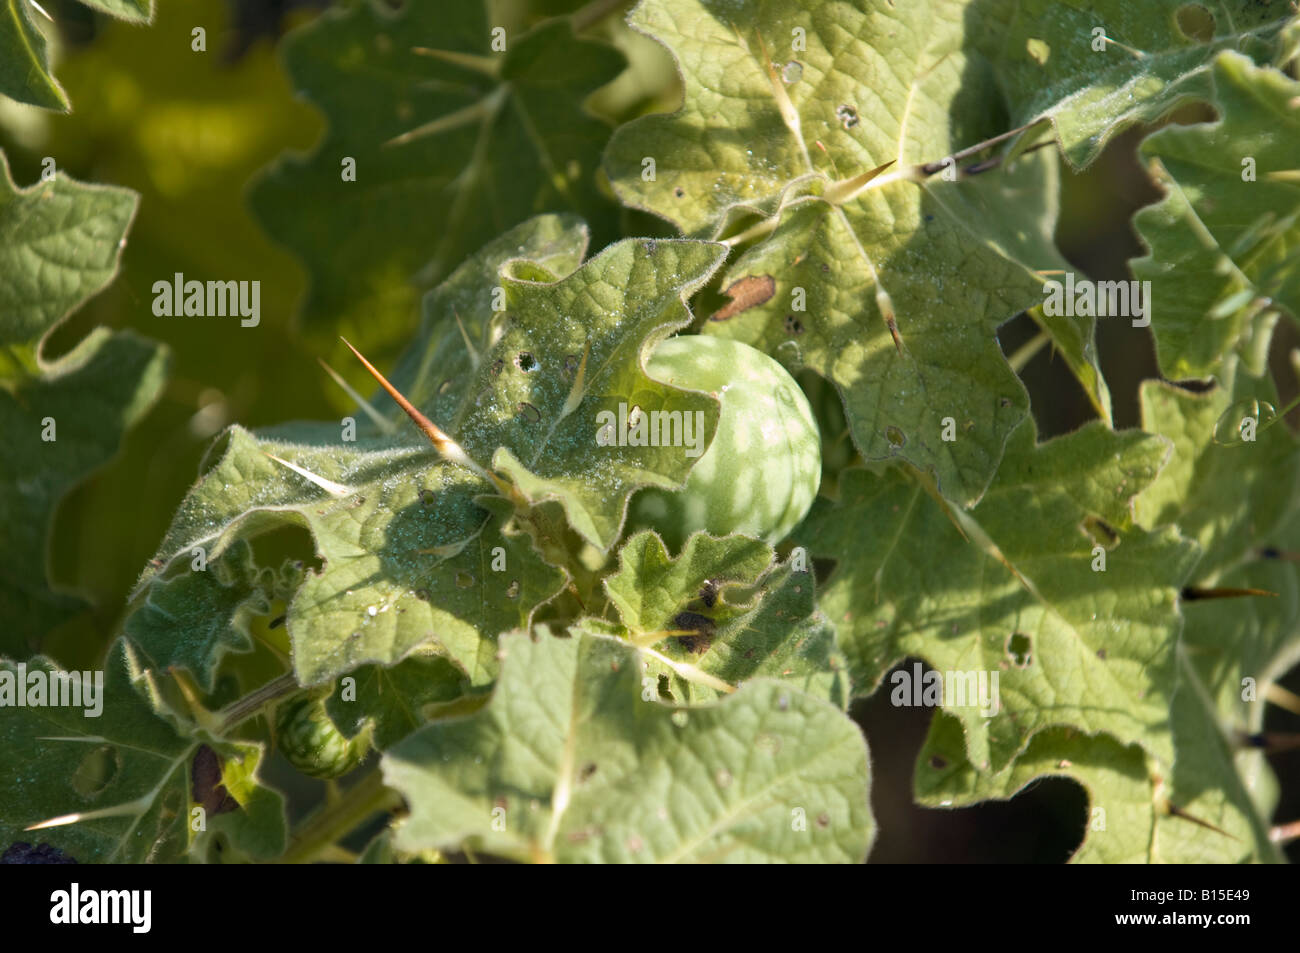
(205, 777)
(701, 625)
(748, 292)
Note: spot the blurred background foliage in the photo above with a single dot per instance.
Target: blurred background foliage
(190, 131)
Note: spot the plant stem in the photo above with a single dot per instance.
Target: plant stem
(1025, 353)
(256, 700)
(319, 833)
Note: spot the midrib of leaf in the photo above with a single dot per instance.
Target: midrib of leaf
(21, 25)
(913, 86)
(1220, 42)
(460, 204)
(615, 352)
(978, 537)
(750, 805)
(893, 544)
(797, 132)
(564, 774)
(557, 419)
(1198, 228)
(498, 98)
(146, 800)
(1227, 15)
(484, 565)
(1223, 749)
(543, 153)
(381, 678)
(1202, 231)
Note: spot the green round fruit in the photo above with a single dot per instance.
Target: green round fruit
(310, 741)
(761, 472)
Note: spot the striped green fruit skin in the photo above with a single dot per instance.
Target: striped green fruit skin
(760, 474)
(311, 743)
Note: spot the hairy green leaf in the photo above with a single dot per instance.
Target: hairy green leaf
(127, 773)
(398, 699)
(1097, 68)
(1013, 589)
(570, 350)
(1225, 241)
(772, 629)
(568, 763)
(1213, 802)
(62, 419)
(453, 142)
(890, 286)
(25, 73)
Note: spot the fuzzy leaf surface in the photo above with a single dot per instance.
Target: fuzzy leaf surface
(128, 770)
(495, 137)
(59, 245)
(25, 68)
(1225, 241)
(1015, 594)
(583, 770)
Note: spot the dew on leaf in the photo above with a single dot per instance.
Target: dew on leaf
(847, 115)
(792, 72)
(1241, 418)
(525, 362)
